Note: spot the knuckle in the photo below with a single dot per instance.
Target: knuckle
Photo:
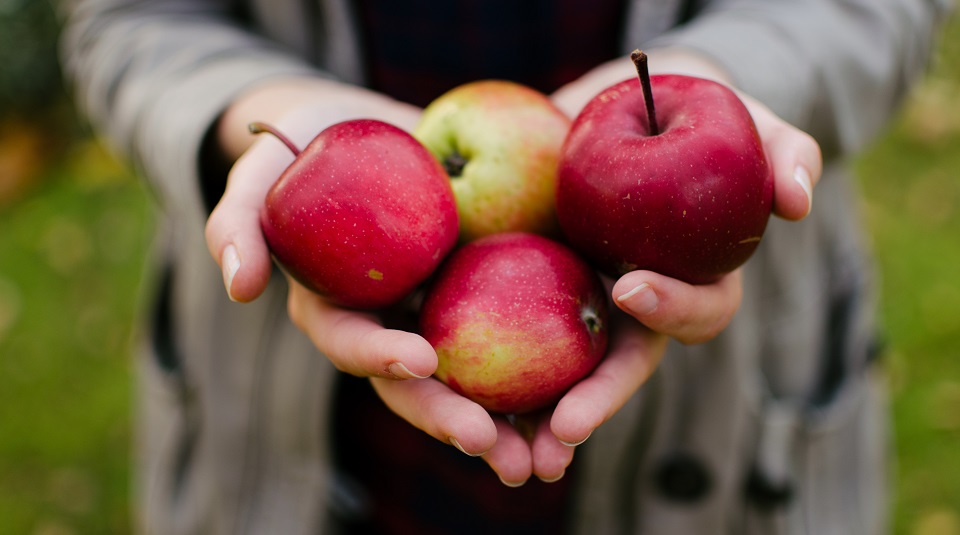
(294, 309)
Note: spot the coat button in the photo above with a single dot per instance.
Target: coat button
(767, 494)
(683, 478)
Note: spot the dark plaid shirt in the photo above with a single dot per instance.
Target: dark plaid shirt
(403, 480)
(418, 49)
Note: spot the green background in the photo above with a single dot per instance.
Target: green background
(75, 228)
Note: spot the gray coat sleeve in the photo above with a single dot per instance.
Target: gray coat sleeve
(153, 76)
(834, 68)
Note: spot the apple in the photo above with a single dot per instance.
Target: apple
(681, 187)
(516, 320)
(362, 216)
(499, 142)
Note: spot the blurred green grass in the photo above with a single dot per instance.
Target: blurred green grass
(910, 179)
(71, 258)
(72, 246)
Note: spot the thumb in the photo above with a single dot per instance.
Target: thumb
(795, 160)
(233, 233)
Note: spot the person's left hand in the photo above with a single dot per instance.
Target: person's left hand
(542, 444)
(661, 308)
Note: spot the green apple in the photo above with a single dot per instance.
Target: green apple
(500, 143)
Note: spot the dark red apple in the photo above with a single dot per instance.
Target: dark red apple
(362, 216)
(516, 320)
(682, 188)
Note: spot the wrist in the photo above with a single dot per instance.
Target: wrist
(668, 60)
(677, 60)
(304, 107)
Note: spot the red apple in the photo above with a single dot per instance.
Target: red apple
(682, 188)
(516, 320)
(362, 216)
(499, 141)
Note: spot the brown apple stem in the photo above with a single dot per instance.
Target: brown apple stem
(640, 62)
(260, 128)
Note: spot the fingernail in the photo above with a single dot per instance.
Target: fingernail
(802, 177)
(575, 444)
(642, 300)
(457, 445)
(554, 480)
(230, 263)
(510, 483)
(398, 370)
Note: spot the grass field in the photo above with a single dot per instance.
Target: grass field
(910, 180)
(71, 258)
(71, 254)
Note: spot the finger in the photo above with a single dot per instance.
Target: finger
(432, 407)
(510, 456)
(690, 313)
(795, 159)
(634, 354)
(356, 342)
(233, 230)
(572, 97)
(797, 167)
(550, 456)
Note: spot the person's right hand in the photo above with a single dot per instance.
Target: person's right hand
(354, 341)
(299, 108)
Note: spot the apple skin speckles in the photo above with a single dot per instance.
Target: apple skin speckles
(516, 320)
(691, 202)
(363, 216)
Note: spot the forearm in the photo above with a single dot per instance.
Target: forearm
(572, 97)
(327, 100)
(154, 76)
(834, 69)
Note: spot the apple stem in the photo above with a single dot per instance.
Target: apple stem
(260, 128)
(640, 62)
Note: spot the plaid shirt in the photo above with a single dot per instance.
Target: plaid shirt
(418, 49)
(411, 483)
(415, 51)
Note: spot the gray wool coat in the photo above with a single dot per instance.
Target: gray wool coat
(787, 399)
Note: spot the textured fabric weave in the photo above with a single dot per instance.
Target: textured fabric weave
(415, 52)
(417, 49)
